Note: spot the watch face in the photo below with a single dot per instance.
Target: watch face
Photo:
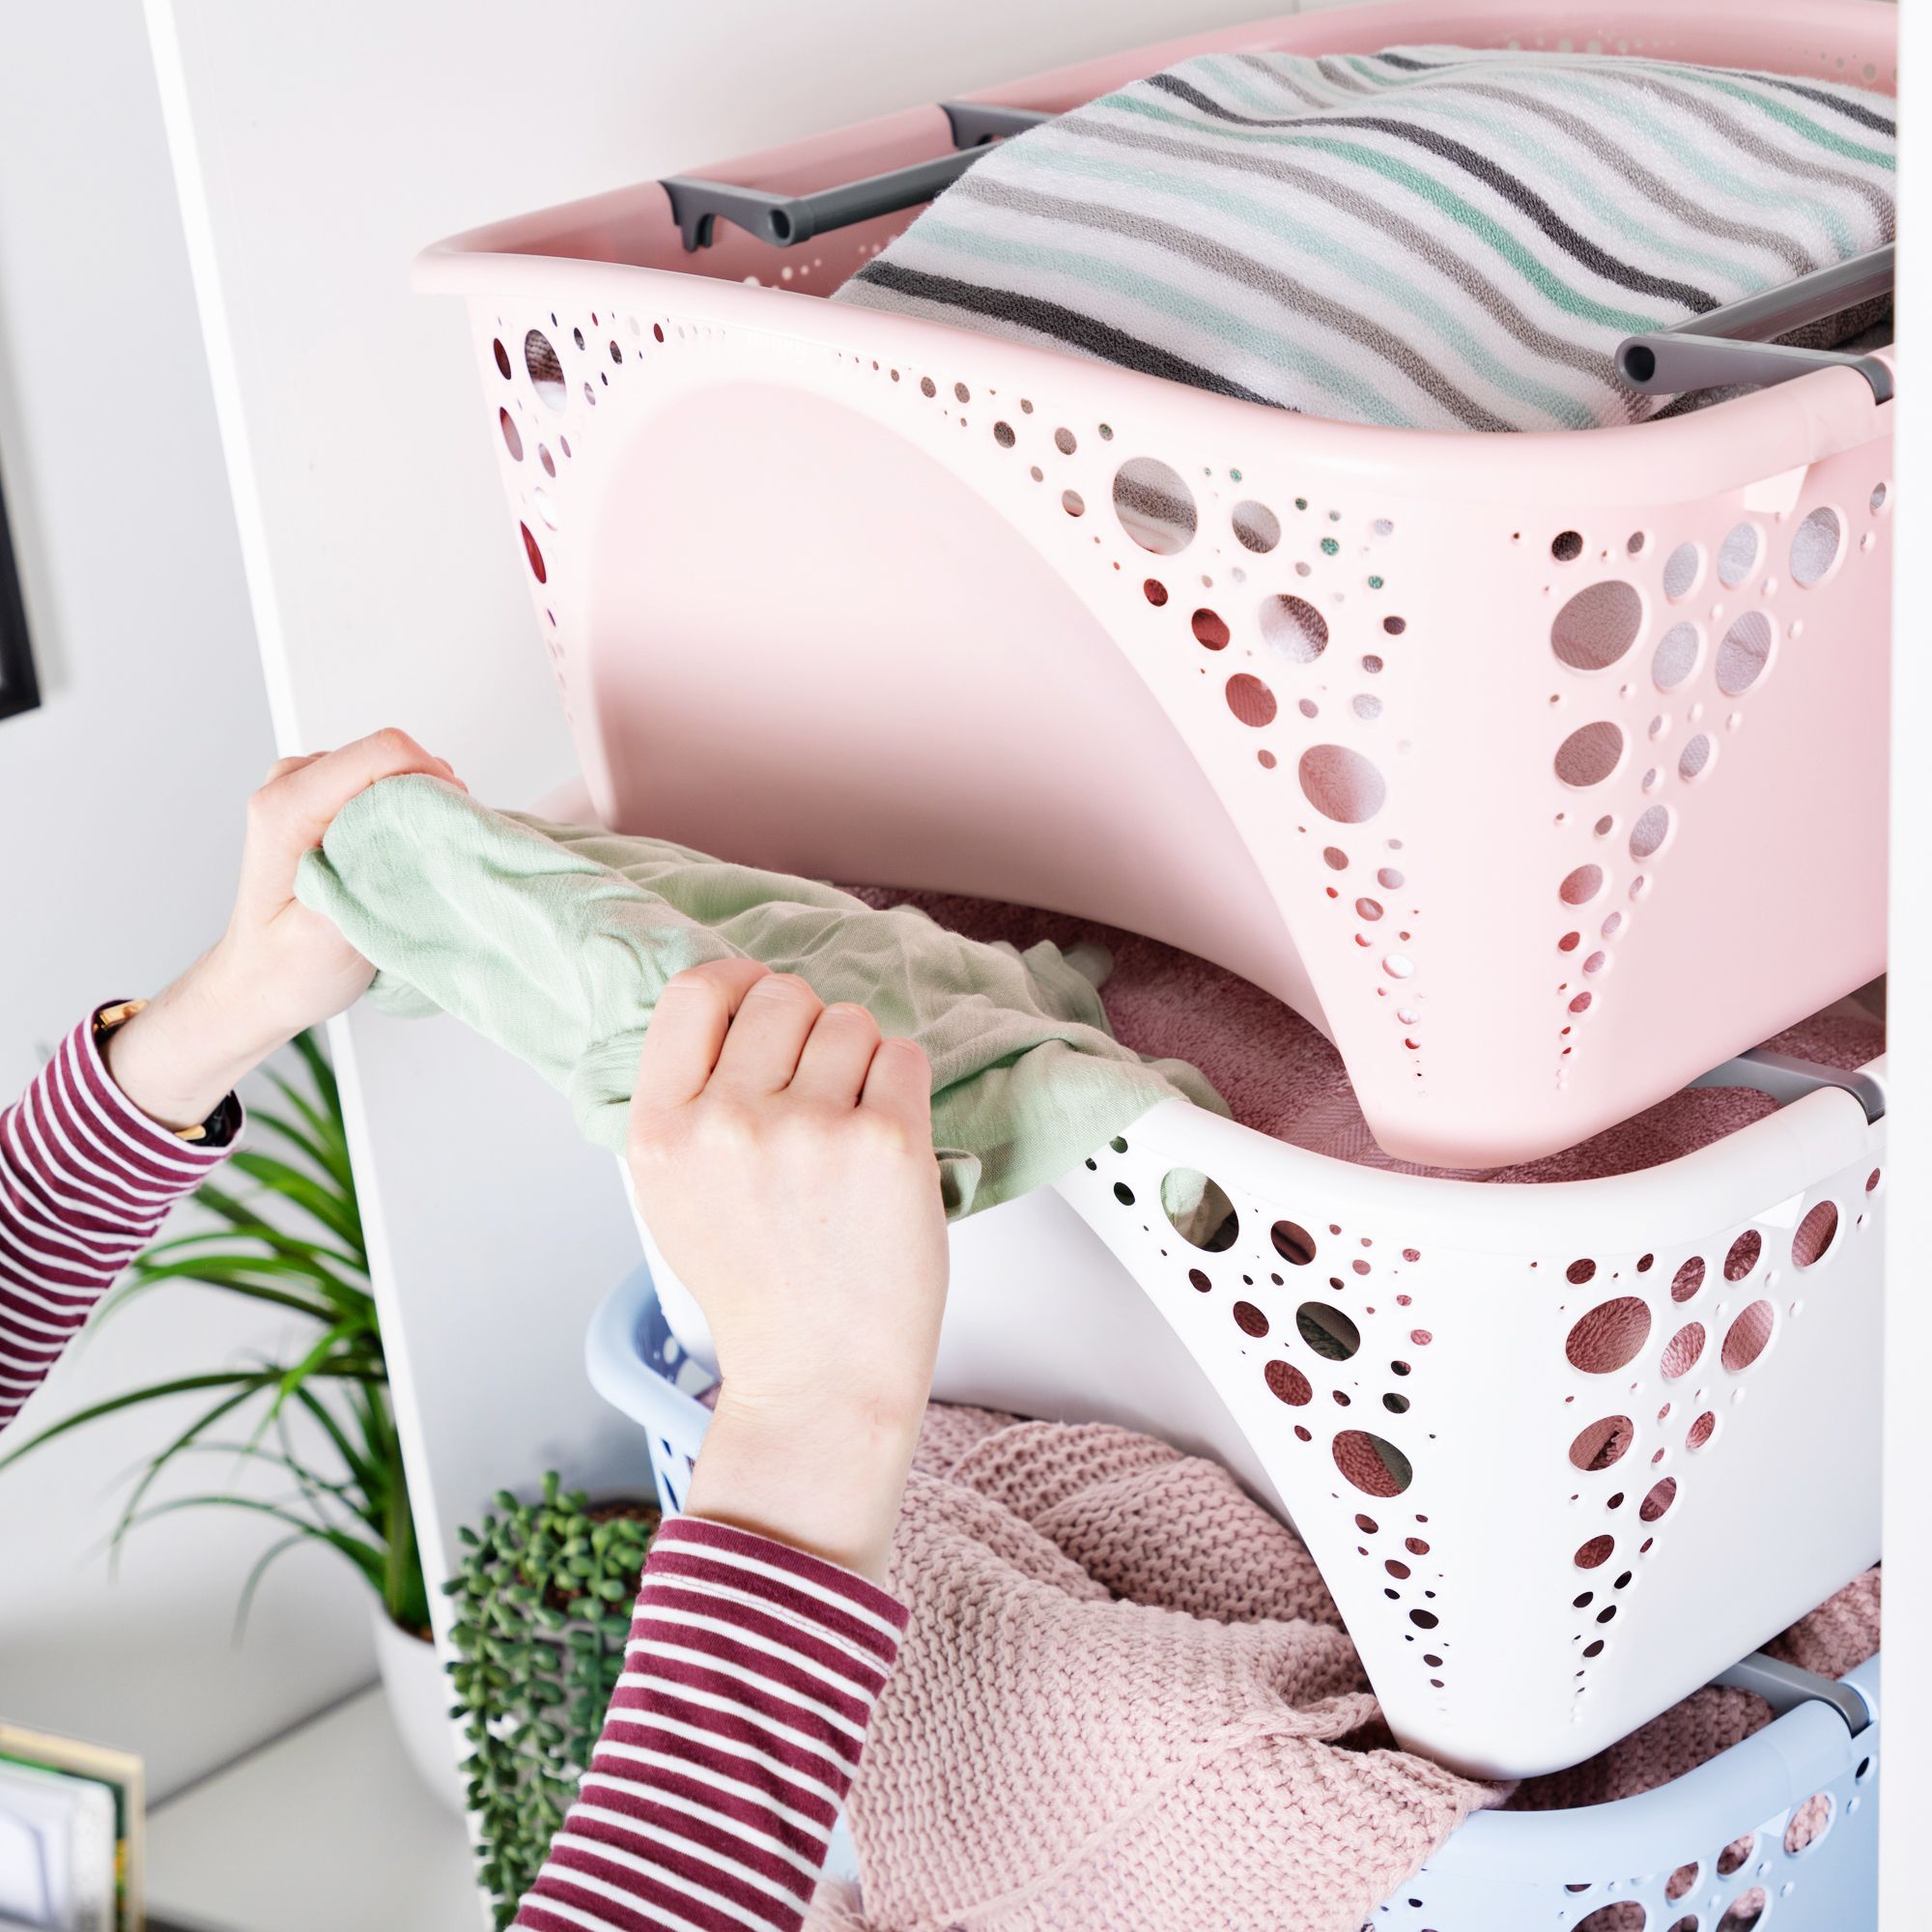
(20, 688)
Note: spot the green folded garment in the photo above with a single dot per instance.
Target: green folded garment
(555, 941)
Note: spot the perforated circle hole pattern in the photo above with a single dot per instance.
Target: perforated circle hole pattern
(1743, 1255)
(1602, 1443)
(1211, 629)
(1374, 1464)
(1682, 569)
(1745, 652)
(1292, 1242)
(1746, 1911)
(1649, 833)
(1256, 527)
(1656, 1504)
(1598, 625)
(1748, 1337)
(1590, 754)
(1609, 1337)
(1815, 1234)
(1287, 1383)
(1683, 1351)
(545, 370)
(1688, 1279)
(1738, 555)
(1197, 1208)
(1328, 1332)
(1676, 655)
(1294, 628)
(1624, 1914)
(1342, 784)
(1251, 701)
(1581, 885)
(1808, 1824)
(1154, 505)
(1814, 546)
(1695, 760)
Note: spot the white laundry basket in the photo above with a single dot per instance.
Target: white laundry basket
(1714, 1851)
(1563, 1452)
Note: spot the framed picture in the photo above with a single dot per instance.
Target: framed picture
(20, 688)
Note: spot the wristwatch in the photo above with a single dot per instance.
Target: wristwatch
(219, 1128)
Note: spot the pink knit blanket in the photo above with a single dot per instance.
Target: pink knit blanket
(1127, 1700)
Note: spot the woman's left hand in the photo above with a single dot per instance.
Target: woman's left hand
(279, 968)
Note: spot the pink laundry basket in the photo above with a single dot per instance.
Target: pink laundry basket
(1506, 759)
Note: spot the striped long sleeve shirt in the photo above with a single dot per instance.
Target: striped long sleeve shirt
(751, 1669)
(733, 1737)
(85, 1180)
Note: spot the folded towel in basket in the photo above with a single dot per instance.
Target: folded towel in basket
(555, 941)
(1430, 236)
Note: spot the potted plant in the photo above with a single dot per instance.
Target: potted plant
(295, 1242)
(543, 1602)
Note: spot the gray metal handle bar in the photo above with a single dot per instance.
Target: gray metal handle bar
(1734, 344)
(784, 220)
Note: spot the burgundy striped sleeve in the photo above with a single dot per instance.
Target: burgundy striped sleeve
(735, 1732)
(85, 1180)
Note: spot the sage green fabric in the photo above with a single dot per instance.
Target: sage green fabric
(555, 941)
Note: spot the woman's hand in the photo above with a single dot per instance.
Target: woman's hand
(782, 1154)
(279, 967)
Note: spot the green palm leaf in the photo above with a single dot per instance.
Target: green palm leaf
(237, 1274)
(132, 1397)
(320, 1202)
(285, 1247)
(253, 1581)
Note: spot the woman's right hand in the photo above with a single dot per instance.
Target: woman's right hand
(781, 1156)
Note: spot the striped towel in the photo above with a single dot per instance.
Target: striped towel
(1429, 237)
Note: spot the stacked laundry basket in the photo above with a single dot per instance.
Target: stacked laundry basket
(1544, 774)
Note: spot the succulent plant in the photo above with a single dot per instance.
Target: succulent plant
(542, 1602)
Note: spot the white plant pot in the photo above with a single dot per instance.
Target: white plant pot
(419, 1699)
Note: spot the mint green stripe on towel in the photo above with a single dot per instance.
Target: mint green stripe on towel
(1429, 237)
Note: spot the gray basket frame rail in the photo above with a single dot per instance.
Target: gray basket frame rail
(1736, 343)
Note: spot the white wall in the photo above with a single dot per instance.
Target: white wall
(120, 819)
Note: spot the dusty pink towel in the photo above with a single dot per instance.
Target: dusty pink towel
(1125, 1700)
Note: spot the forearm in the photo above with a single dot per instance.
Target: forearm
(732, 1739)
(85, 1180)
(824, 1473)
(194, 1043)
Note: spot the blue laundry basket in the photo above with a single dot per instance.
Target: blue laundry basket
(1706, 1853)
